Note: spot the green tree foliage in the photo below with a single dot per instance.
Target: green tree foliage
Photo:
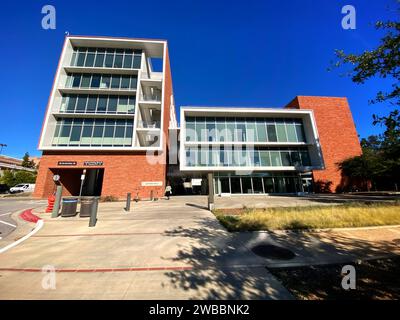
(27, 163)
(380, 161)
(11, 178)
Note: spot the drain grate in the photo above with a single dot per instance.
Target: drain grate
(273, 252)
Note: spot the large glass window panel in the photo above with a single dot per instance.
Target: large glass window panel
(76, 80)
(295, 156)
(225, 185)
(112, 104)
(65, 130)
(115, 81)
(246, 185)
(261, 130)
(129, 132)
(265, 159)
(201, 128)
(280, 186)
(300, 133)
(131, 104)
(74, 58)
(91, 105)
(240, 134)
(85, 81)
(118, 61)
(285, 157)
(275, 158)
(190, 129)
(251, 132)
(90, 59)
(108, 63)
(87, 130)
(133, 84)
(230, 129)
(109, 131)
(271, 133)
(105, 82)
(122, 106)
(268, 185)
(210, 126)
(257, 185)
(137, 60)
(119, 132)
(95, 81)
(291, 132)
(220, 128)
(125, 82)
(98, 131)
(81, 104)
(235, 185)
(128, 60)
(80, 61)
(76, 133)
(71, 103)
(281, 132)
(102, 104)
(99, 62)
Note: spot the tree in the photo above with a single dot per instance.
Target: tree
(26, 162)
(12, 178)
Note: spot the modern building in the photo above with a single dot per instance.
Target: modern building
(108, 113)
(111, 118)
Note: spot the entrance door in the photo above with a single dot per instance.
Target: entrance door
(225, 185)
(93, 182)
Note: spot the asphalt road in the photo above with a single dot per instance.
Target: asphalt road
(8, 206)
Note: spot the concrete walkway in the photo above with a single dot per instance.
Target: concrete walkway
(160, 250)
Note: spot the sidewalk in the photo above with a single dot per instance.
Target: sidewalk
(160, 250)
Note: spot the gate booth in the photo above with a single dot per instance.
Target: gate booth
(70, 179)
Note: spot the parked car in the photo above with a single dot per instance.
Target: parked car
(22, 187)
(4, 188)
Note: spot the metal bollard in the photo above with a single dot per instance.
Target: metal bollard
(56, 208)
(128, 202)
(93, 214)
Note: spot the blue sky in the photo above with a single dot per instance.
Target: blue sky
(223, 53)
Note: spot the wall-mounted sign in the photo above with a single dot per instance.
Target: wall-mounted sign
(93, 163)
(196, 182)
(152, 183)
(67, 163)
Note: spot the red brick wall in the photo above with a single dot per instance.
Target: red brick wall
(337, 133)
(123, 173)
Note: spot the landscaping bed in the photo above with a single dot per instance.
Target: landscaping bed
(375, 279)
(313, 217)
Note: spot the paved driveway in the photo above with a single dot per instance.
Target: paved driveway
(160, 250)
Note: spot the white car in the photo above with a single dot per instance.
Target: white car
(23, 187)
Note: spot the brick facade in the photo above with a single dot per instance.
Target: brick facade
(337, 134)
(123, 173)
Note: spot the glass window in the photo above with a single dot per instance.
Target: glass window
(125, 82)
(271, 133)
(269, 185)
(76, 133)
(81, 57)
(230, 129)
(90, 59)
(65, 130)
(99, 62)
(109, 60)
(112, 104)
(246, 185)
(119, 132)
(129, 132)
(95, 81)
(235, 185)
(251, 132)
(85, 81)
(137, 60)
(257, 185)
(291, 132)
(220, 128)
(81, 105)
(98, 131)
(265, 160)
(105, 82)
(128, 60)
(102, 104)
(300, 133)
(71, 103)
(210, 127)
(118, 61)
(76, 80)
(109, 132)
(275, 158)
(115, 81)
(285, 157)
(133, 82)
(190, 129)
(295, 157)
(91, 106)
(281, 132)
(201, 128)
(240, 130)
(87, 130)
(261, 130)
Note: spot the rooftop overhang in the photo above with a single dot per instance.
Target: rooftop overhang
(154, 48)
